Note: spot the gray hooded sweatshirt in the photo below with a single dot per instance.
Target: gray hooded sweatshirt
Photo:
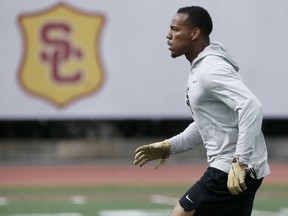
(227, 115)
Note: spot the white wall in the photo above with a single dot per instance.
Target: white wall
(141, 80)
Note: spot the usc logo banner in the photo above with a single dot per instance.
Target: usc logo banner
(61, 57)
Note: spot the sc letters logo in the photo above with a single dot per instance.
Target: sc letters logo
(61, 57)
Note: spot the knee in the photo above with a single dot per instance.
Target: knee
(179, 211)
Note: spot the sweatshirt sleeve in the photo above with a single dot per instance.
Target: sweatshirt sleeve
(224, 84)
(186, 140)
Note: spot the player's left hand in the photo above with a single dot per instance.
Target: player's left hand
(236, 177)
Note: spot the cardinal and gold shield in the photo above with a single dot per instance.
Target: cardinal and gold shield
(61, 58)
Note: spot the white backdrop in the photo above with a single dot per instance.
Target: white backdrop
(141, 80)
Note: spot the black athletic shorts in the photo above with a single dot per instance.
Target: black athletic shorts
(210, 196)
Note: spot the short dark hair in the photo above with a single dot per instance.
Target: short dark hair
(198, 17)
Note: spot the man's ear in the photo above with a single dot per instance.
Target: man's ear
(195, 33)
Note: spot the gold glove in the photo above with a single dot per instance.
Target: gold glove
(236, 177)
(158, 150)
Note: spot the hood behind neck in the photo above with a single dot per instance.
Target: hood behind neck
(216, 49)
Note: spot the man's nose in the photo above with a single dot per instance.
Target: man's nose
(168, 35)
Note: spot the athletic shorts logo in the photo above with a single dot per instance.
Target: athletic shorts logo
(187, 197)
(61, 60)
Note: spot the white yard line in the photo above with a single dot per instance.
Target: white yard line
(3, 201)
(78, 200)
(48, 214)
(282, 212)
(136, 212)
(166, 200)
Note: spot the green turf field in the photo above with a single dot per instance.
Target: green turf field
(117, 201)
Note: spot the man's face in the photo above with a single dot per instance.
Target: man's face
(179, 36)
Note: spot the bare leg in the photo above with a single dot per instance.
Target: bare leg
(179, 211)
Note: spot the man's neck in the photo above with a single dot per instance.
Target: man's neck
(198, 49)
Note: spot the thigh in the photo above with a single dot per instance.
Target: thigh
(179, 211)
(221, 202)
(210, 196)
(198, 193)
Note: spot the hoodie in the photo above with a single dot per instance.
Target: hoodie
(227, 115)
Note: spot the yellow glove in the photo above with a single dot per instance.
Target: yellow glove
(158, 150)
(236, 177)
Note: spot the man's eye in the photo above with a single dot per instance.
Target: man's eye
(174, 28)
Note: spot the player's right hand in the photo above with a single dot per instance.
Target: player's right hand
(146, 153)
